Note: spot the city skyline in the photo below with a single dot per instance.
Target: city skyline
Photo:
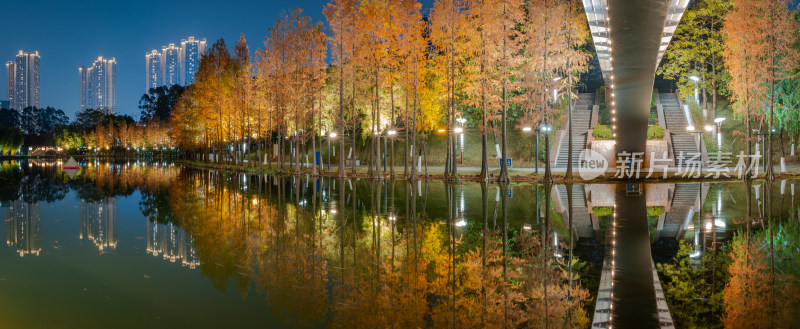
(127, 30)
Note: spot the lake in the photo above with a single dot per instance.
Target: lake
(153, 244)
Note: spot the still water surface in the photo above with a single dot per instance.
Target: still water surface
(156, 245)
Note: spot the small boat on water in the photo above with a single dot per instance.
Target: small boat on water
(71, 164)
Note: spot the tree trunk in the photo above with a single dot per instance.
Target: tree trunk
(391, 126)
(503, 177)
(341, 109)
(484, 138)
(414, 150)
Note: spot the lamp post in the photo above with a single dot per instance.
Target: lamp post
(330, 136)
(389, 134)
(546, 131)
(460, 133)
(528, 129)
(763, 137)
(707, 128)
(695, 79)
(719, 121)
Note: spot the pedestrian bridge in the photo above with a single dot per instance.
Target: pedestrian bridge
(630, 38)
(45, 151)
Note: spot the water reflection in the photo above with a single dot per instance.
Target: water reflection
(171, 243)
(363, 253)
(99, 222)
(24, 231)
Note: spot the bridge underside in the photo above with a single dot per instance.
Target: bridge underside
(630, 37)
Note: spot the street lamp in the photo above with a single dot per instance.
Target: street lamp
(555, 90)
(718, 121)
(763, 137)
(528, 129)
(389, 134)
(330, 136)
(546, 131)
(691, 129)
(696, 79)
(460, 131)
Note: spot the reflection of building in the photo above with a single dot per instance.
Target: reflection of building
(99, 223)
(24, 227)
(172, 243)
(98, 85)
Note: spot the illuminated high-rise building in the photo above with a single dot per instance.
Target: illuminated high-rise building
(155, 77)
(98, 85)
(174, 64)
(22, 80)
(170, 63)
(191, 50)
(99, 223)
(24, 230)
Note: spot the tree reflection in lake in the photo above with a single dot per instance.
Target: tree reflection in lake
(356, 253)
(335, 249)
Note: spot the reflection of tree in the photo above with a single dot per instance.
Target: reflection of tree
(290, 263)
(756, 297)
(97, 181)
(694, 287)
(42, 187)
(356, 263)
(212, 213)
(10, 178)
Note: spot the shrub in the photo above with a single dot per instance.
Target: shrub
(655, 132)
(655, 211)
(602, 132)
(602, 211)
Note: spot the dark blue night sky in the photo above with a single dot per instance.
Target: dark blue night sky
(68, 34)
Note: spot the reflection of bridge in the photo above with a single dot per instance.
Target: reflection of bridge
(629, 280)
(680, 202)
(45, 151)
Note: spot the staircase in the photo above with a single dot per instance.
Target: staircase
(581, 220)
(684, 144)
(684, 198)
(581, 122)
